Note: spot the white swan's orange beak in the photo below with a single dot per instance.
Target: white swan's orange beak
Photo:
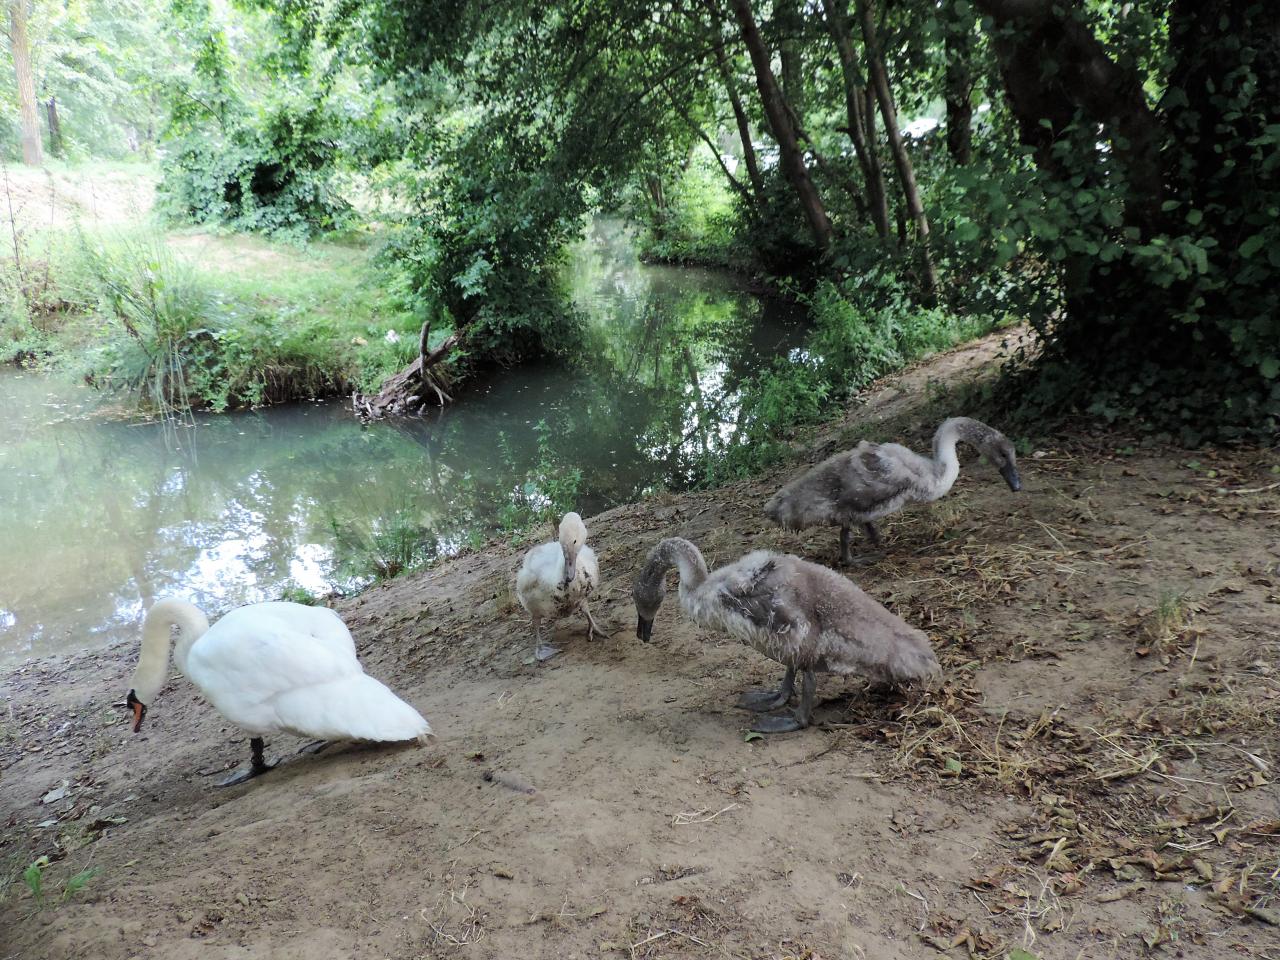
(139, 710)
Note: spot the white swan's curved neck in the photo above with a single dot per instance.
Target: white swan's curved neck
(153, 661)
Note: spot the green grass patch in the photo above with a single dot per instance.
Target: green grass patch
(205, 321)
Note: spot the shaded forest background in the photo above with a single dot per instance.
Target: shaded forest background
(1108, 172)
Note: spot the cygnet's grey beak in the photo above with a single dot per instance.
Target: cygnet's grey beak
(644, 629)
(1010, 474)
(570, 571)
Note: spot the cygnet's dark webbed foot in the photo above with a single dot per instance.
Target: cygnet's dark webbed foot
(762, 699)
(315, 746)
(777, 724)
(800, 719)
(545, 652)
(851, 561)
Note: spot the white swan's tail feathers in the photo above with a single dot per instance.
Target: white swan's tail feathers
(354, 708)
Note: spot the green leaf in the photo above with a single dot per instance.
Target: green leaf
(76, 883)
(954, 766)
(33, 877)
(752, 735)
(1252, 245)
(1017, 953)
(1194, 217)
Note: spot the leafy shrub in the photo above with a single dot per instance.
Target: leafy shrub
(861, 331)
(385, 546)
(272, 173)
(264, 166)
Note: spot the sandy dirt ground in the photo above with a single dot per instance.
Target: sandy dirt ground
(1096, 778)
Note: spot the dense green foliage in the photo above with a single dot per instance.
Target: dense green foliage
(1104, 170)
(254, 155)
(102, 63)
(859, 334)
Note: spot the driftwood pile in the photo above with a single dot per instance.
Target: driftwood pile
(419, 385)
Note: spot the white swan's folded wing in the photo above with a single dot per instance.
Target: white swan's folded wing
(353, 708)
(267, 677)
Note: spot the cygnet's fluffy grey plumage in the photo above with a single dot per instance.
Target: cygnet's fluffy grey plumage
(806, 617)
(874, 480)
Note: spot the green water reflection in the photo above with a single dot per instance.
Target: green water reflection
(100, 516)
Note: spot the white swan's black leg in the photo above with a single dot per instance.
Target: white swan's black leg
(258, 767)
(800, 719)
(768, 698)
(541, 651)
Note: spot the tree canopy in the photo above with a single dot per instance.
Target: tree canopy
(1106, 170)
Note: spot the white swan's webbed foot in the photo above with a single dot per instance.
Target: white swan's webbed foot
(257, 768)
(541, 651)
(315, 746)
(763, 699)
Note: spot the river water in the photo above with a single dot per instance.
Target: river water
(99, 516)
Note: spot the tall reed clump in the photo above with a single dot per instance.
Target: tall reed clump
(176, 342)
(151, 306)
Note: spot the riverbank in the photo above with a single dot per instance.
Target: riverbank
(93, 284)
(1097, 771)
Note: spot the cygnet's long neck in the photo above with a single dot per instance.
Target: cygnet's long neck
(153, 661)
(946, 465)
(688, 560)
(681, 554)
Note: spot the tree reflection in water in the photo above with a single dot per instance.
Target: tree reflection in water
(101, 516)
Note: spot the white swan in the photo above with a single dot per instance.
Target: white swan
(556, 579)
(272, 668)
(808, 618)
(874, 480)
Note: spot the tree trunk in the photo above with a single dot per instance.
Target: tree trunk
(958, 80)
(744, 128)
(836, 11)
(784, 128)
(1031, 33)
(906, 174)
(32, 151)
(873, 146)
(788, 22)
(55, 127)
